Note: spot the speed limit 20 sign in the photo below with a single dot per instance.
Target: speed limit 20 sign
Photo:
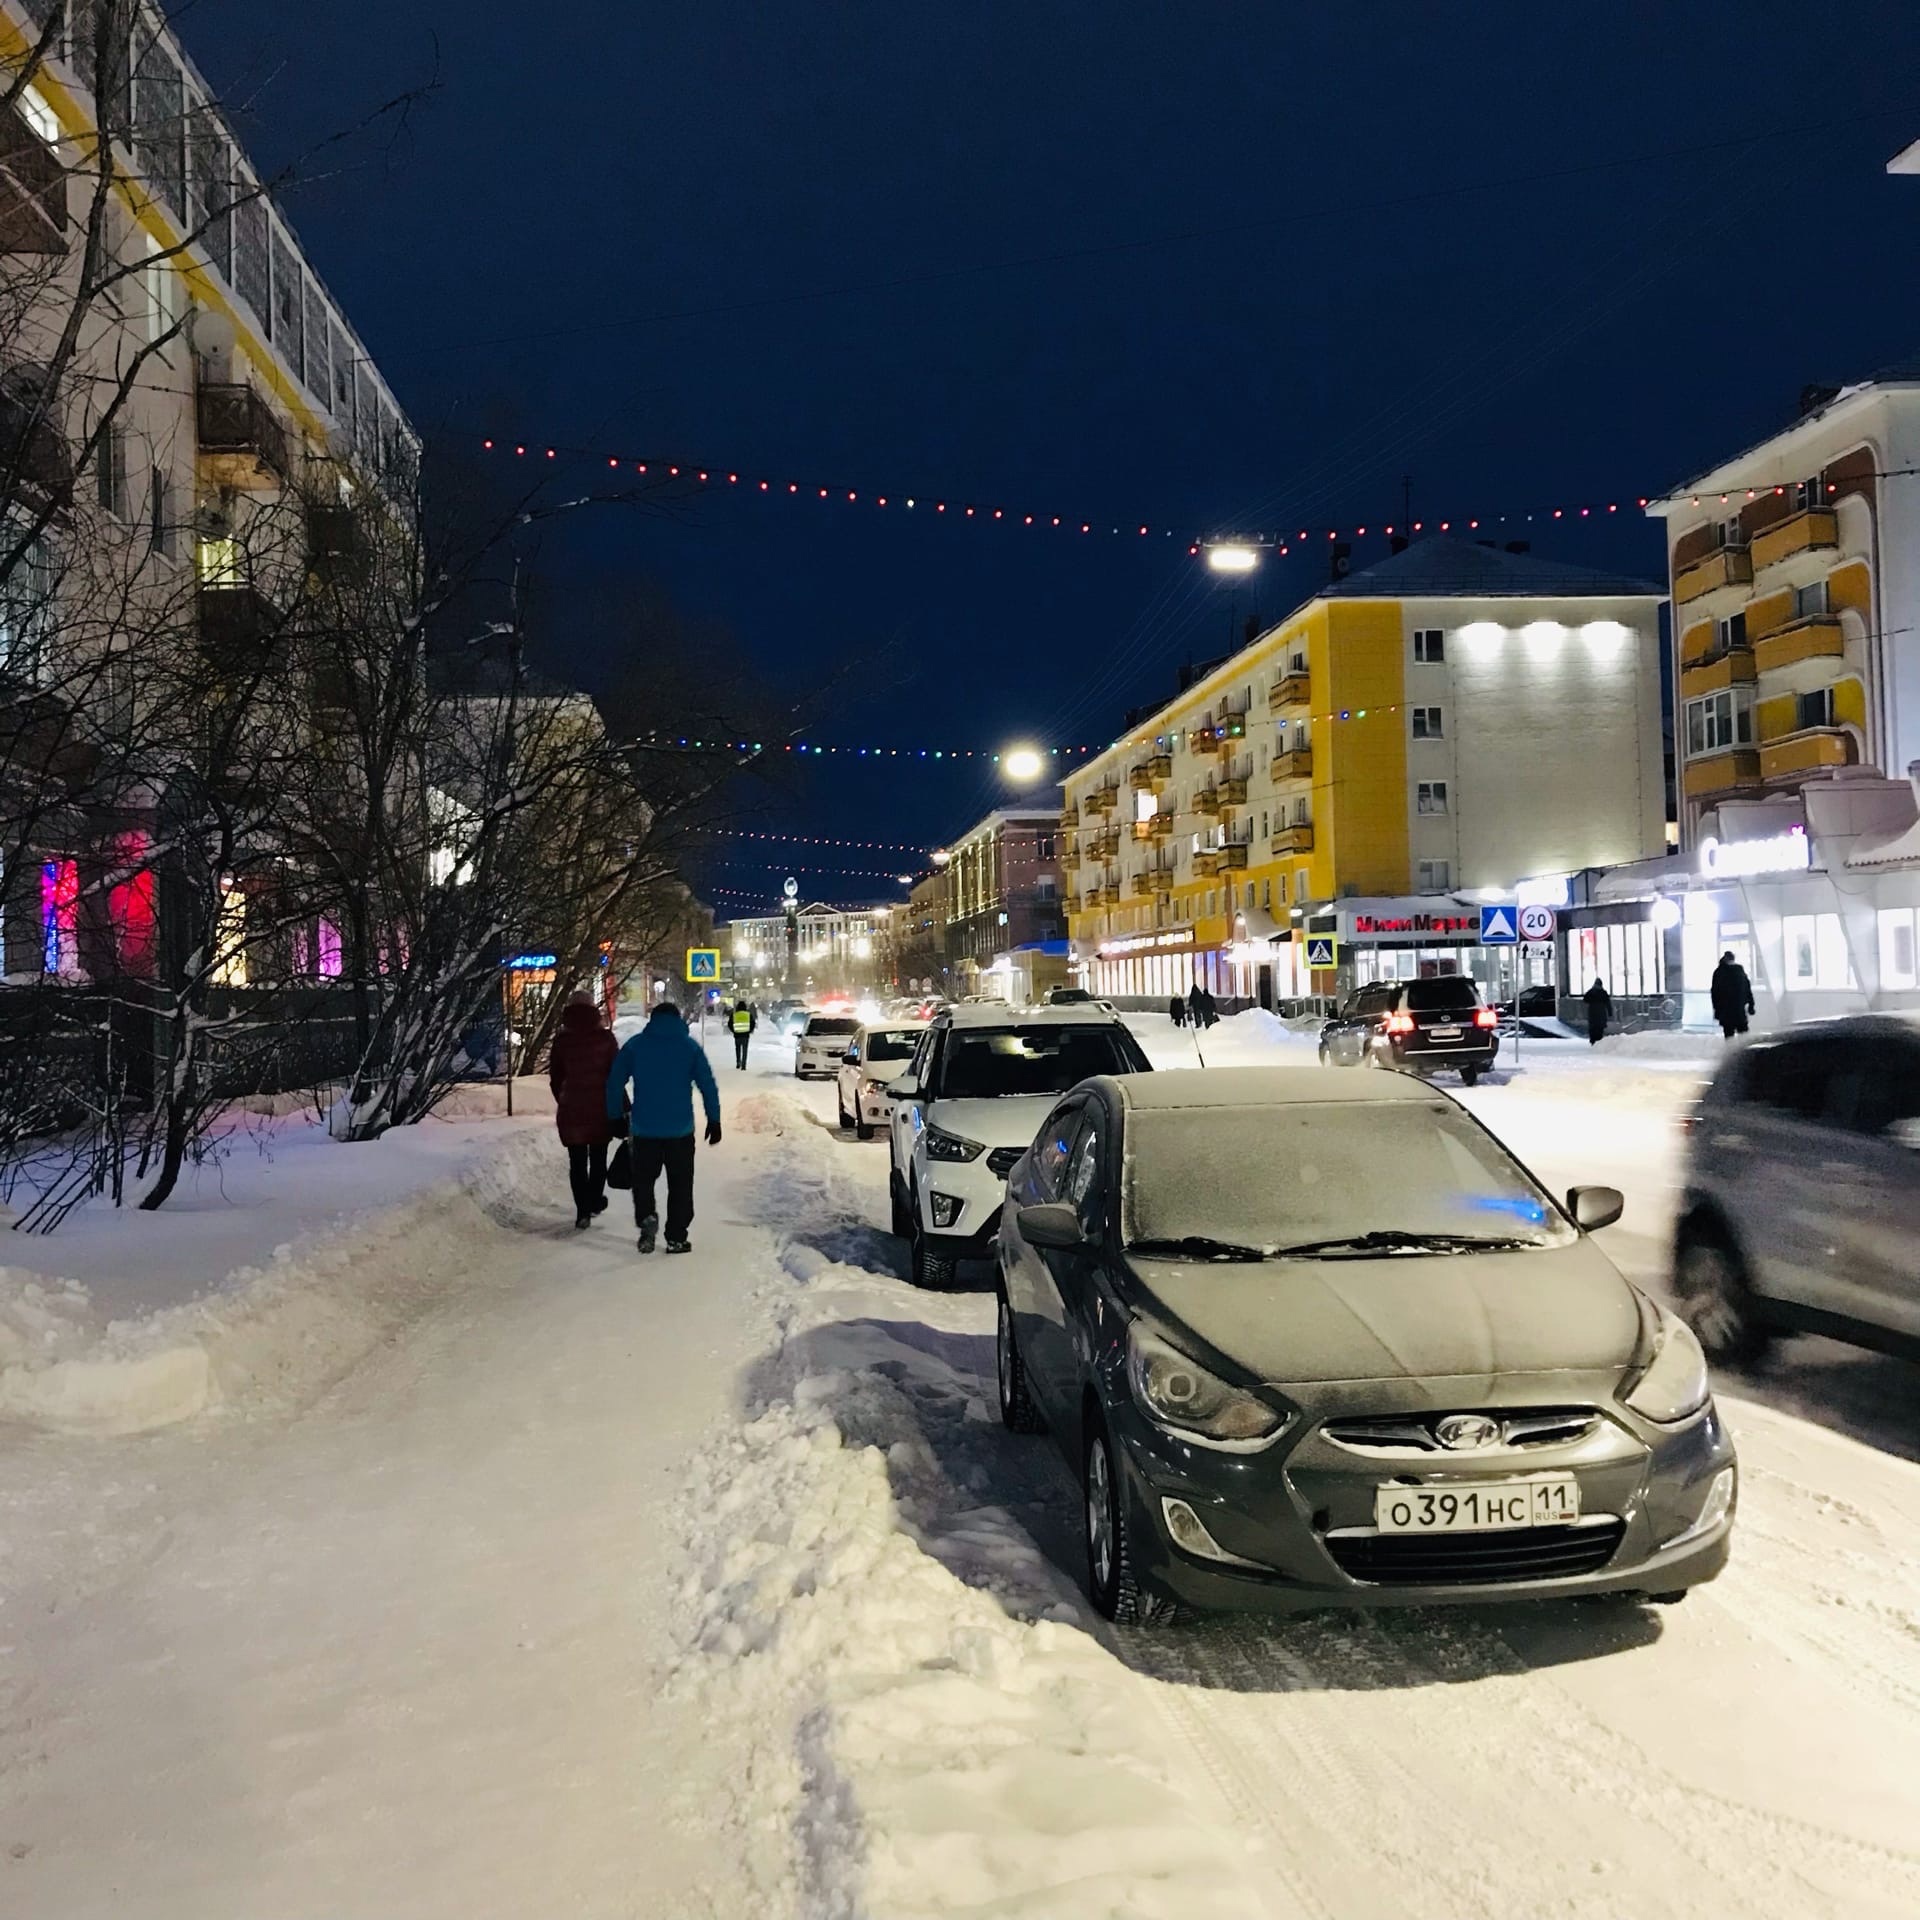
(1536, 923)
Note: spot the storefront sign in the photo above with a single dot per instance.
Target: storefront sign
(1167, 942)
(1415, 923)
(1790, 852)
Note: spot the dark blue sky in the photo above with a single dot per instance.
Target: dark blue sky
(1338, 316)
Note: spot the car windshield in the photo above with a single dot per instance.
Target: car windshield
(895, 1045)
(1332, 1180)
(829, 1026)
(1452, 993)
(985, 1066)
(1069, 997)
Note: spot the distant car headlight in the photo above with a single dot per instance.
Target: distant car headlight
(1674, 1386)
(942, 1145)
(1181, 1395)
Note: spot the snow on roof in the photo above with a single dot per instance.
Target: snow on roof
(1000, 1017)
(1264, 1087)
(1446, 567)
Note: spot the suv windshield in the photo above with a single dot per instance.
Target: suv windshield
(827, 1025)
(1451, 990)
(985, 1065)
(1258, 1181)
(895, 1045)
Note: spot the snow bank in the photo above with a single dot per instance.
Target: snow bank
(938, 1729)
(157, 1342)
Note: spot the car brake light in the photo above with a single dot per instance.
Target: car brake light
(1486, 1017)
(1399, 1023)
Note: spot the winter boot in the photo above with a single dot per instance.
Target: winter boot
(582, 1220)
(649, 1231)
(679, 1246)
(600, 1204)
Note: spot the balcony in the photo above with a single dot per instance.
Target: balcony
(1816, 638)
(1104, 845)
(238, 624)
(242, 445)
(1204, 740)
(1714, 669)
(1233, 792)
(1290, 690)
(33, 454)
(1810, 751)
(1735, 771)
(335, 541)
(1719, 573)
(1293, 840)
(1156, 828)
(1295, 764)
(1153, 776)
(1101, 801)
(1070, 816)
(1207, 802)
(1812, 536)
(1206, 865)
(1108, 895)
(33, 190)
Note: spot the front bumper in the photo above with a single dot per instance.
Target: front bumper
(1290, 1509)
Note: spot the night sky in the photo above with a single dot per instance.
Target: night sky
(1266, 260)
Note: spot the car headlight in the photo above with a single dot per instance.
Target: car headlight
(1674, 1386)
(1182, 1395)
(942, 1145)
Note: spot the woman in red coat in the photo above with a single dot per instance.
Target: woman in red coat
(577, 1069)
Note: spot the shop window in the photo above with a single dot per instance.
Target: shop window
(1897, 969)
(60, 917)
(1429, 645)
(1426, 724)
(1814, 709)
(1816, 953)
(1431, 796)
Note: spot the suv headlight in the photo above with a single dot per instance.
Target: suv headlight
(1674, 1386)
(1181, 1395)
(942, 1145)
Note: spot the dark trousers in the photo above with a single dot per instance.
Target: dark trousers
(740, 1048)
(675, 1158)
(587, 1175)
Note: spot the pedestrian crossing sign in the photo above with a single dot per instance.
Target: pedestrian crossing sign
(703, 963)
(1323, 951)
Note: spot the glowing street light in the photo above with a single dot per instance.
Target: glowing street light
(1230, 556)
(1023, 764)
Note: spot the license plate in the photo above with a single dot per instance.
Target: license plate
(1443, 1033)
(1484, 1506)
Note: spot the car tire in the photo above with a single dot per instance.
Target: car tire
(1715, 1298)
(846, 1125)
(1113, 1584)
(902, 1220)
(1469, 1076)
(861, 1131)
(931, 1272)
(1672, 1599)
(1017, 1411)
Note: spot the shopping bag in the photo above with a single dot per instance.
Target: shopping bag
(620, 1167)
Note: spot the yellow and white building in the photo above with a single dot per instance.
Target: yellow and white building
(1455, 719)
(1796, 595)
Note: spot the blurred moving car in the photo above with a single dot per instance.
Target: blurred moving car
(821, 1045)
(1075, 997)
(1417, 1026)
(879, 1055)
(1397, 1374)
(964, 1111)
(1800, 1203)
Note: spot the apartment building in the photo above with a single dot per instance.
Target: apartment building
(1006, 912)
(1455, 718)
(186, 415)
(1795, 570)
(922, 947)
(813, 949)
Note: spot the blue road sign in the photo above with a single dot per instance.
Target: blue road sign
(1323, 950)
(1499, 927)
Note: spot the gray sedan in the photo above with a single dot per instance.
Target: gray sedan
(1315, 1339)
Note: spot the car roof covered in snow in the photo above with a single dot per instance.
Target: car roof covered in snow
(964, 1018)
(1261, 1087)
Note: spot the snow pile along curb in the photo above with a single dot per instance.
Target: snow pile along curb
(257, 1336)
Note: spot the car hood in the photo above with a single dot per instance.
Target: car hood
(1561, 1309)
(1010, 1121)
(886, 1071)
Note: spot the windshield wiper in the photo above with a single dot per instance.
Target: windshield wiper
(1397, 1240)
(1196, 1246)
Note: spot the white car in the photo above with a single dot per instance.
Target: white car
(981, 1081)
(821, 1045)
(881, 1052)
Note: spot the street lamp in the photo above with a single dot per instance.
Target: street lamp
(1231, 556)
(1022, 764)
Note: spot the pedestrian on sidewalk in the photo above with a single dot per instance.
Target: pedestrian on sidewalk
(1732, 995)
(577, 1067)
(658, 1069)
(1177, 1011)
(741, 1022)
(1197, 1006)
(1599, 1012)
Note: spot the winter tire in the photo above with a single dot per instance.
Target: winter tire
(1017, 1411)
(861, 1131)
(1469, 1076)
(846, 1125)
(902, 1227)
(1112, 1583)
(931, 1271)
(1711, 1290)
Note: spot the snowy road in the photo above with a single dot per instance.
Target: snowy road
(715, 1587)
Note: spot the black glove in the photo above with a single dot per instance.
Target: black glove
(713, 1133)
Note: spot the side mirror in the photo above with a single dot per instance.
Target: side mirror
(1595, 1207)
(1052, 1224)
(851, 1056)
(905, 1088)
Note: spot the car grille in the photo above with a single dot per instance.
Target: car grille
(1414, 1433)
(1468, 1559)
(1000, 1162)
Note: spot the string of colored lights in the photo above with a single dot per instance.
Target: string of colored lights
(811, 840)
(801, 867)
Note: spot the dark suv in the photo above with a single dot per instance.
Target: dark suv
(1418, 1026)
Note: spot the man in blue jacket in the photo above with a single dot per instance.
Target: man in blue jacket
(662, 1064)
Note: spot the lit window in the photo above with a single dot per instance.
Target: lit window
(38, 115)
(1897, 949)
(218, 562)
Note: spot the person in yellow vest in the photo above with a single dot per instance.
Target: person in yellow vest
(741, 1023)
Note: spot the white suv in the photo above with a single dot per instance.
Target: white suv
(982, 1080)
(822, 1044)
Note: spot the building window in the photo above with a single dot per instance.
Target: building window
(163, 532)
(26, 607)
(1302, 735)
(1426, 724)
(1429, 645)
(1300, 884)
(1810, 602)
(1719, 721)
(166, 297)
(1043, 847)
(1266, 894)
(1814, 709)
(1730, 633)
(1808, 494)
(1897, 956)
(1302, 811)
(1729, 533)
(110, 467)
(1432, 796)
(1298, 663)
(1436, 876)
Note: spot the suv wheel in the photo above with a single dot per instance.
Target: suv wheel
(1017, 1411)
(1112, 1583)
(932, 1271)
(1715, 1299)
(1469, 1076)
(902, 1220)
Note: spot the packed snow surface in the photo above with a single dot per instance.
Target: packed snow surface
(713, 1586)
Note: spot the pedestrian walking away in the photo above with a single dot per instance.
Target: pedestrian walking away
(741, 1023)
(1599, 1012)
(1177, 1011)
(1732, 995)
(1197, 1004)
(658, 1071)
(578, 1063)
